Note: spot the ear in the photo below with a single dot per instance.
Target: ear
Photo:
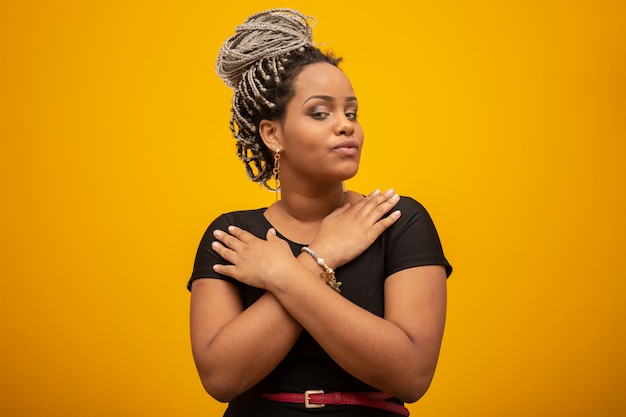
(270, 133)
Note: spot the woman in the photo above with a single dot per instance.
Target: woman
(327, 301)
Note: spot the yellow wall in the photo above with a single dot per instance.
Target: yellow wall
(506, 119)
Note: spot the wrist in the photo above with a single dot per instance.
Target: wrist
(327, 273)
(327, 252)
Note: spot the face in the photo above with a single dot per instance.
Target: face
(320, 137)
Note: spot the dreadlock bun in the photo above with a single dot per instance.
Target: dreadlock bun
(261, 36)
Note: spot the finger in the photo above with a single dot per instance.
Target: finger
(384, 206)
(227, 240)
(378, 204)
(368, 199)
(235, 237)
(228, 270)
(223, 251)
(377, 192)
(374, 211)
(379, 227)
(384, 223)
(376, 197)
(388, 197)
(240, 234)
(392, 199)
(360, 204)
(272, 236)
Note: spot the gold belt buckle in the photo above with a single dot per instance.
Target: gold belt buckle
(307, 398)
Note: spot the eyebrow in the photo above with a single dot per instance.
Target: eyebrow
(327, 98)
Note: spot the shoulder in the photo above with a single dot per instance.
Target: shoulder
(411, 208)
(414, 216)
(413, 240)
(243, 214)
(251, 220)
(410, 203)
(405, 202)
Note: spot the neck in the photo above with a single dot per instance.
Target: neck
(311, 205)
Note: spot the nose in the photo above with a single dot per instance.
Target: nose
(344, 126)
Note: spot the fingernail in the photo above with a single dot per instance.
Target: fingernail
(376, 192)
(389, 192)
(217, 233)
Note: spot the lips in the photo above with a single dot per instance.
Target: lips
(348, 148)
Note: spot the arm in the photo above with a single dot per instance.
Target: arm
(230, 345)
(396, 354)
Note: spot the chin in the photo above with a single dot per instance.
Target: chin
(350, 174)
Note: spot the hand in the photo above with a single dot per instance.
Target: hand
(254, 261)
(348, 231)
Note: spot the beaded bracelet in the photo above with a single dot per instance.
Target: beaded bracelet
(328, 275)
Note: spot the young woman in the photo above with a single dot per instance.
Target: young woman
(328, 301)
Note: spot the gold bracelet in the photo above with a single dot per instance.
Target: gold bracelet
(328, 275)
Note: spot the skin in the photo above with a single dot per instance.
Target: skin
(232, 347)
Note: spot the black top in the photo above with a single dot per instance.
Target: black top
(411, 241)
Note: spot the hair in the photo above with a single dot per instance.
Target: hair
(260, 63)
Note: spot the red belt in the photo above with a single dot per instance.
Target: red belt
(318, 399)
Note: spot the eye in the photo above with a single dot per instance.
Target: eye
(351, 115)
(318, 114)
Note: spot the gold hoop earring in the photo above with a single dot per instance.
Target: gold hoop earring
(276, 171)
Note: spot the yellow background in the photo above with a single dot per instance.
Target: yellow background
(505, 119)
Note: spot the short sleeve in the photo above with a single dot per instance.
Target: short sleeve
(206, 257)
(413, 240)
